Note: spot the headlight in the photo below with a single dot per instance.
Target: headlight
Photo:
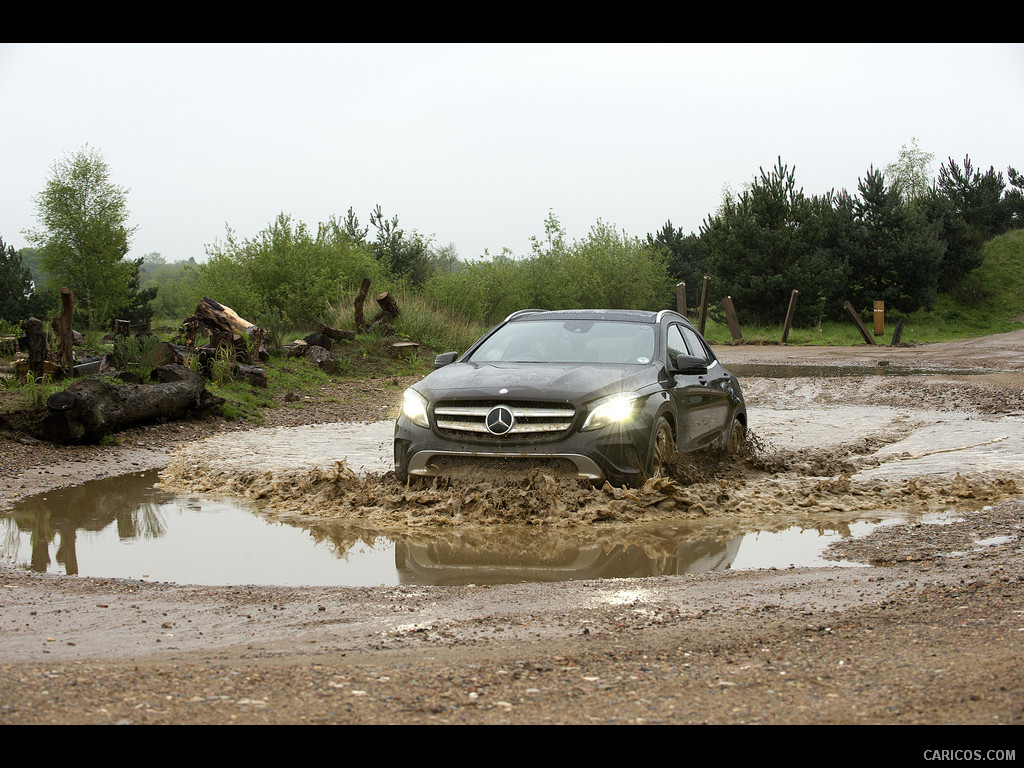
(414, 406)
(616, 409)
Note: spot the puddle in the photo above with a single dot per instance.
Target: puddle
(315, 506)
(125, 527)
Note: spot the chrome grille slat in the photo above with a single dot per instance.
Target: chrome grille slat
(530, 418)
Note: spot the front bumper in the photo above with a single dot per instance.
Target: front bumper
(618, 454)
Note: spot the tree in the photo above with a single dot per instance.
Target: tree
(405, 255)
(18, 299)
(893, 250)
(768, 241)
(686, 256)
(1013, 200)
(911, 174)
(976, 196)
(84, 235)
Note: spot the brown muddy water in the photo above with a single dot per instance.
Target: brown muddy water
(315, 505)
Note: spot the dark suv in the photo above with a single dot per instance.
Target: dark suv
(600, 394)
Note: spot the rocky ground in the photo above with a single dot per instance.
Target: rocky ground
(929, 634)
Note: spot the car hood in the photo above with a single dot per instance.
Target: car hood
(534, 381)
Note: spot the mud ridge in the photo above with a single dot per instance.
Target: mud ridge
(762, 482)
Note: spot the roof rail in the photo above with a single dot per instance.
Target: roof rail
(664, 312)
(523, 312)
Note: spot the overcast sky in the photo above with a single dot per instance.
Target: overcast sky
(473, 144)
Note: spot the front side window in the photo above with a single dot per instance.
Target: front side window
(696, 344)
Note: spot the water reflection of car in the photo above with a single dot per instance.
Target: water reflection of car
(448, 564)
(599, 394)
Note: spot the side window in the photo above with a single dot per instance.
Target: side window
(696, 344)
(675, 343)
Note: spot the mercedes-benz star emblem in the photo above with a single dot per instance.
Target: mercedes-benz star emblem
(499, 420)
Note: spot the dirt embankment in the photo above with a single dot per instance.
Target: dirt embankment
(930, 633)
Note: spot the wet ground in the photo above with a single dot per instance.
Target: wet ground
(315, 504)
(929, 632)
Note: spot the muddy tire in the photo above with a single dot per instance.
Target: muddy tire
(737, 438)
(663, 446)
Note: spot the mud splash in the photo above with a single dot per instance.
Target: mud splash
(828, 482)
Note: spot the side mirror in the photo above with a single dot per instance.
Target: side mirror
(445, 359)
(690, 366)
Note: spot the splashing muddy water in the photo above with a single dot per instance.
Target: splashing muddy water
(831, 463)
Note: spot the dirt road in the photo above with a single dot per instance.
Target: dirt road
(929, 634)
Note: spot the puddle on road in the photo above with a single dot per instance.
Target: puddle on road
(125, 527)
(285, 507)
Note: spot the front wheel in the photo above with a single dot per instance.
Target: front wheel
(736, 439)
(662, 448)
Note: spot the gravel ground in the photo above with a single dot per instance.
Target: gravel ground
(929, 634)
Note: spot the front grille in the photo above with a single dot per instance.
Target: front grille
(532, 420)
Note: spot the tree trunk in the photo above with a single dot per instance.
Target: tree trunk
(62, 328)
(360, 298)
(90, 408)
(38, 349)
(335, 333)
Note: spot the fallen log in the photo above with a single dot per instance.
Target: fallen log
(92, 408)
(335, 333)
(295, 348)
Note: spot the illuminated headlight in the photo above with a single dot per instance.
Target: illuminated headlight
(617, 409)
(414, 406)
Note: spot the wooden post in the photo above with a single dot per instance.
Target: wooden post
(122, 328)
(62, 329)
(860, 324)
(897, 333)
(730, 315)
(879, 318)
(681, 298)
(704, 297)
(789, 315)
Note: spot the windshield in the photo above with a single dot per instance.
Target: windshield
(572, 341)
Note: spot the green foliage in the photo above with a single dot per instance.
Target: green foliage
(910, 176)
(686, 255)
(976, 196)
(177, 285)
(606, 269)
(406, 256)
(84, 236)
(18, 298)
(286, 272)
(893, 251)
(770, 240)
(136, 354)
